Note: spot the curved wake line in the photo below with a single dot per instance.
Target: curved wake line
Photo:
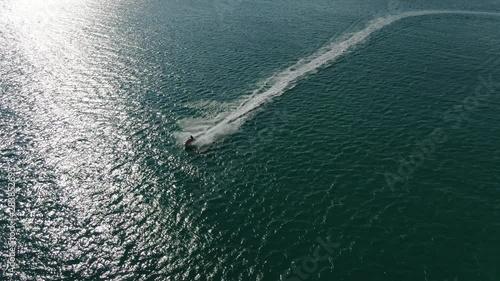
(212, 130)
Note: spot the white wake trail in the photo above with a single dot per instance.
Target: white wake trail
(215, 129)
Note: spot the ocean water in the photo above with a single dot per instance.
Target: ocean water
(336, 140)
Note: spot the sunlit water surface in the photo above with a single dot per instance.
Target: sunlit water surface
(95, 94)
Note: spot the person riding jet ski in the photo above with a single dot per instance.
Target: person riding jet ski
(189, 142)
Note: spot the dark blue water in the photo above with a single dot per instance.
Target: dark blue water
(335, 140)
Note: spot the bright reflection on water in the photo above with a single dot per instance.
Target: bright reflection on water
(86, 194)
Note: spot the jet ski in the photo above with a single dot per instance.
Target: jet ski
(189, 144)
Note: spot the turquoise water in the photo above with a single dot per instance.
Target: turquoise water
(336, 140)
